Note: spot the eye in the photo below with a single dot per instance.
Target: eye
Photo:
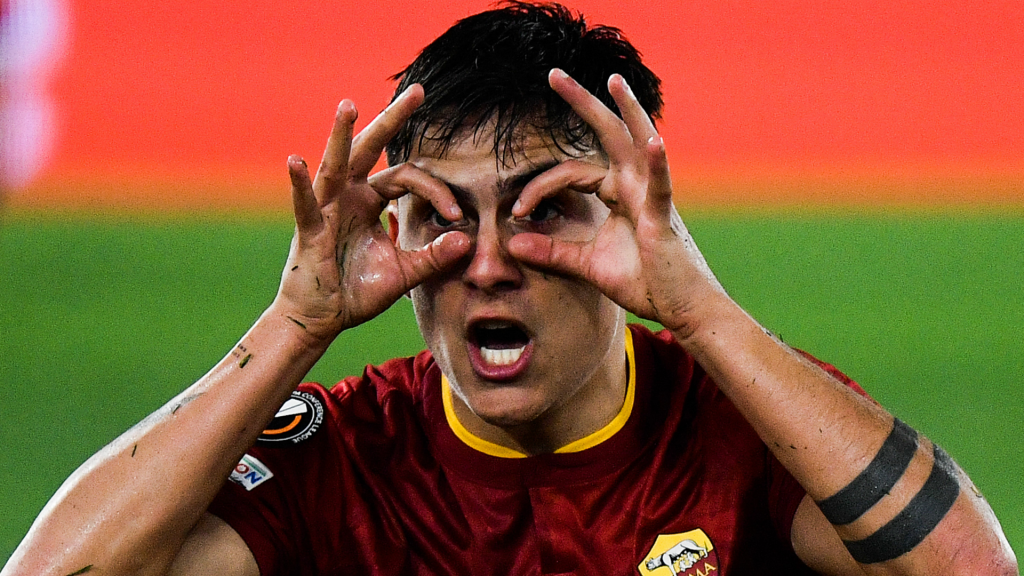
(544, 211)
(436, 219)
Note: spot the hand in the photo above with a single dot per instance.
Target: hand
(642, 257)
(342, 268)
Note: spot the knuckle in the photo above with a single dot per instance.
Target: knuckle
(331, 175)
(401, 172)
(408, 172)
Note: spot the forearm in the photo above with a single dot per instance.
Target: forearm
(903, 505)
(129, 507)
(808, 419)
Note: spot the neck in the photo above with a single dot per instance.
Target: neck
(589, 415)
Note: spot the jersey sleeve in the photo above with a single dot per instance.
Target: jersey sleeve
(275, 496)
(257, 520)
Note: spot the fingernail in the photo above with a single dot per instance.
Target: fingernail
(559, 73)
(516, 206)
(348, 107)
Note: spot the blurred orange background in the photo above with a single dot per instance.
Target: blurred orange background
(184, 105)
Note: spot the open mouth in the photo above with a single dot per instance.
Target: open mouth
(499, 350)
(500, 343)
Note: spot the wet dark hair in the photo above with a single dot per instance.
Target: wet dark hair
(495, 65)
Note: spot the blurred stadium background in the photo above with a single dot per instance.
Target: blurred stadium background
(854, 173)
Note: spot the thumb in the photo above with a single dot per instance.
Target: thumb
(442, 253)
(546, 252)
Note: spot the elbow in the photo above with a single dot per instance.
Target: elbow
(987, 554)
(999, 562)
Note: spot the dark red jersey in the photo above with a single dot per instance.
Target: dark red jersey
(370, 478)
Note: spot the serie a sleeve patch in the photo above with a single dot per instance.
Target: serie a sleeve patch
(250, 472)
(296, 421)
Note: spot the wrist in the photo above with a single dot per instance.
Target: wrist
(308, 333)
(705, 318)
(718, 327)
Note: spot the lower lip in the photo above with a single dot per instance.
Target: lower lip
(499, 373)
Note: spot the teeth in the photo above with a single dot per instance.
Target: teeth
(502, 357)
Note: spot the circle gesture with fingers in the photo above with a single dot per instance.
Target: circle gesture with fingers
(642, 257)
(343, 268)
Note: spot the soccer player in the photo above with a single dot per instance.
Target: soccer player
(539, 434)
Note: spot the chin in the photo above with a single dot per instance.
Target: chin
(506, 412)
(507, 421)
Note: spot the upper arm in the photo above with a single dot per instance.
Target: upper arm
(818, 545)
(213, 548)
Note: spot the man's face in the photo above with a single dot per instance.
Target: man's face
(520, 346)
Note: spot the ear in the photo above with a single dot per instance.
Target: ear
(392, 211)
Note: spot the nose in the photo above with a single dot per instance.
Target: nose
(491, 268)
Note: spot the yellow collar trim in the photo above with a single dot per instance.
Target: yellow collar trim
(589, 441)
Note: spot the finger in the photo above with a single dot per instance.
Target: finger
(633, 114)
(333, 171)
(584, 177)
(307, 212)
(659, 191)
(370, 142)
(444, 252)
(610, 129)
(397, 181)
(546, 252)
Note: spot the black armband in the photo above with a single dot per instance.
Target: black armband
(876, 480)
(916, 521)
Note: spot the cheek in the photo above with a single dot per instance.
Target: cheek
(581, 307)
(436, 307)
(583, 224)
(597, 322)
(423, 307)
(437, 319)
(411, 234)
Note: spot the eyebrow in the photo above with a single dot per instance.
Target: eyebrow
(506, 186)
(517, 182)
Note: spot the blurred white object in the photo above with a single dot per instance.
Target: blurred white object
(32, 41)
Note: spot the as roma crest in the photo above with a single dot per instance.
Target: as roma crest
(687, 554)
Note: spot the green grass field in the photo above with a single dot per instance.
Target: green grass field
(103, 318)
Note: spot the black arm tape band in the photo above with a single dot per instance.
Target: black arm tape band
(916, 521)
(876, 480)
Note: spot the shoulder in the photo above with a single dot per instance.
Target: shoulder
(293, 500)
(316, 418)
(671, 373)
(674, 391)
(401, 380)
(659, 352)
